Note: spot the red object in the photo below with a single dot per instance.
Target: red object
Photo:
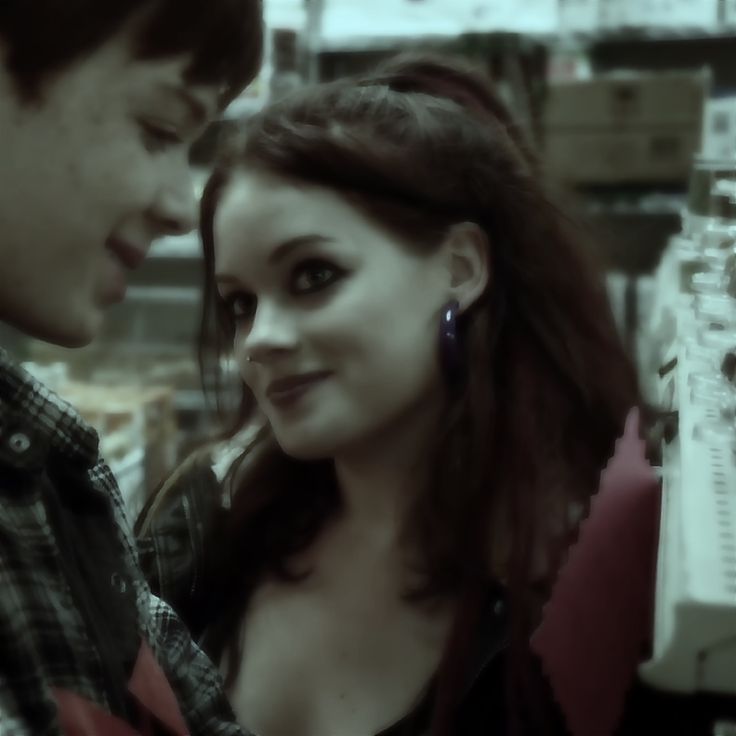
(159, 709)
(598, 622)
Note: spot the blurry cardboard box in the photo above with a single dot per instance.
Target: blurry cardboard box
(719, 129)
(628, 100)
(654, 155)
(625, 128)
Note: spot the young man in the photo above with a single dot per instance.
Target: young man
(99, 102)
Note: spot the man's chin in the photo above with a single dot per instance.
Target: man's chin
(65, 330)
(69, 340)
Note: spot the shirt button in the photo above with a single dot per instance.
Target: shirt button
(19, 443)
(117, 581)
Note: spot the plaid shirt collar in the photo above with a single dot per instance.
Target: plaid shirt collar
(53, 422)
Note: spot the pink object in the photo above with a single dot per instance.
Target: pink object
(81, 717)
(157, 703)
(150, 687)
(598, 622)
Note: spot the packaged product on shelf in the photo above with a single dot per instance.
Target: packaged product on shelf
(625, 127)
(693, 327)
(719, 128)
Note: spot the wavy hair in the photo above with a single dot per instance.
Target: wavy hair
(419, 145)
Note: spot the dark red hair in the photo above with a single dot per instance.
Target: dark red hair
(420, 145)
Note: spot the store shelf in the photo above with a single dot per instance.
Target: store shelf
(164, 294)
(180, 246)
(562, 39)
(643, 35)
(695, 624)
(361, 44)
(190, 401)
(652, 205)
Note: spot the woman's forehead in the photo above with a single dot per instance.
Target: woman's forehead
(276, 205)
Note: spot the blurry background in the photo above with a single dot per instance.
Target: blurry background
(630, 103)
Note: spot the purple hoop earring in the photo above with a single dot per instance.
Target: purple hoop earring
(450, 354)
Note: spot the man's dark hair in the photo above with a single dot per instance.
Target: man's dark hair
(223, 37)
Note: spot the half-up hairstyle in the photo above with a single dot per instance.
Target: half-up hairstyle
(420, 145)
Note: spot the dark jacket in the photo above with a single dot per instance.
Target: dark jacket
(81, 636)
(174, 556)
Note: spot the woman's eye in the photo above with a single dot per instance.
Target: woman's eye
(240, 307)
(158, 137)
(314, 275)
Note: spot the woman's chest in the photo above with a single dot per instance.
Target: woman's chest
(320, 663)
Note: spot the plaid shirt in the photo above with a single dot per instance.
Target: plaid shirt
(46, 642)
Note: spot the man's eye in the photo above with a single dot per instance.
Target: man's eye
(314, 275)
(158, 137)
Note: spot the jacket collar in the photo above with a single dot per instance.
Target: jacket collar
(33, 415)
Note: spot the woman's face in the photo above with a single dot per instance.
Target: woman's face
(339, 318)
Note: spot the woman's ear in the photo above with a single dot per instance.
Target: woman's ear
(468, 259)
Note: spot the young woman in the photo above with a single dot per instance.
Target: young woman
(434, 382)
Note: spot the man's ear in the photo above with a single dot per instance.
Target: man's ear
(467, 251)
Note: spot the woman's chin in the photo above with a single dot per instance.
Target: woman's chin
(307, 449)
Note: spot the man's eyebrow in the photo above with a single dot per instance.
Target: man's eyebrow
(198, 111)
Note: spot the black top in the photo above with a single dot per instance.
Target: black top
(172, 556)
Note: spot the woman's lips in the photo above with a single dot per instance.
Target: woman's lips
(285, 392)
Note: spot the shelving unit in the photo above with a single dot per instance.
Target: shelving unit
(660, 50)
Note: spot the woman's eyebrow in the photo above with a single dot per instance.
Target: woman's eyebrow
(288, 246)
(280, 252)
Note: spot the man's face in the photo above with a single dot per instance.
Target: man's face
(89, 177)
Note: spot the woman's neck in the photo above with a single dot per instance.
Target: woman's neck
(379, 479)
